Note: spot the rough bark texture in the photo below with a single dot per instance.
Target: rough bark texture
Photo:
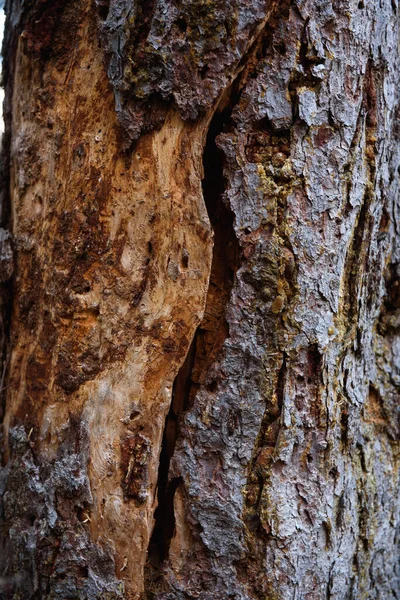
(201, 357)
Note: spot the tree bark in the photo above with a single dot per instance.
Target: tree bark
(200, 270)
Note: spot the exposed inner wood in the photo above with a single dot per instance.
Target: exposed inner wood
(113, 260)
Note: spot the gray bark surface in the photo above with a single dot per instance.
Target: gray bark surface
(200, 263)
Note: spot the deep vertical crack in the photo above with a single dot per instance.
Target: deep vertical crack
(205, 347)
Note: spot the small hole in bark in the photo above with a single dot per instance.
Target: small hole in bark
(83, 572)
(83, 514)
(212, 387)
(204, 71)
(31, 519)
(334, 472)
(182, 25)
(185, 260)
(361, 5)
(281, 47)
(102, 10)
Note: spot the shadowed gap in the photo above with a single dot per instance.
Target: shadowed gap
(208, 339)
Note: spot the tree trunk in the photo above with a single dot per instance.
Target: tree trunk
(200, 268)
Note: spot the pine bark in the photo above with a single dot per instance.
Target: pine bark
(200, 271)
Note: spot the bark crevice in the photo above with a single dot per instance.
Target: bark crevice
(206, 345)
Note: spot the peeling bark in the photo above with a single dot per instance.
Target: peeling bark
(200, 300)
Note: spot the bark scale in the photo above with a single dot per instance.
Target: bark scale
(201, 355)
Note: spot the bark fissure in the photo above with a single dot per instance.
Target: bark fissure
(356, 262)
(353, 267)
(207, 342)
